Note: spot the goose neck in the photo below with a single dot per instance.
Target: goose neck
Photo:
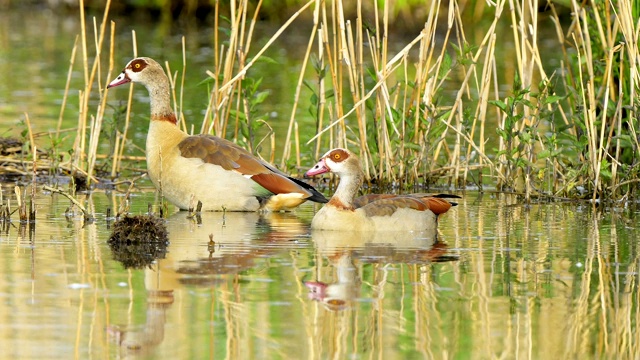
(347, 189)
(160, 99)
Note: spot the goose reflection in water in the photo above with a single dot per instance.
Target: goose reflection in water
(343, 250)
(201, 249)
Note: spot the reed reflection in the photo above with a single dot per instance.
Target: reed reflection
(214, 244)
(368, 288)
(205, 251)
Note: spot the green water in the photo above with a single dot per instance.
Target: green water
(498, 280)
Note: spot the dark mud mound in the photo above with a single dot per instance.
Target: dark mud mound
(137, 241)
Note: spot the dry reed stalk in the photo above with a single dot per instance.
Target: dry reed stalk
(324, 42)
(469, 72)
(222, 101)
(241, 56)
(97, 120)
(629, 28)
(343, 54)
(426, 83)
(333, 111)
(32, 195)
(286, 153)
(117, 153)
(5, 213)
(127, 116)
(525, 27)
(609, 84)
(184, 73)
(210, 122)
(487, 78)
(22, 205)
(228, 66)
(66, 87)
(42, 164)
(89, 81)
(87, 214)
(582, 42)
(383, 108)
(172, 77)
(30, 133)
(80, 144)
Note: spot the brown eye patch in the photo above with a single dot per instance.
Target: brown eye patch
(338, 155)
(137, 65)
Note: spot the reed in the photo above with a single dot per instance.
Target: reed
(365, 98)
(5, 214)
(394, 123)
(232, 92)
(565, 134)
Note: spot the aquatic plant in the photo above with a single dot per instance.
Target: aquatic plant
(568, 132)
(137, 241)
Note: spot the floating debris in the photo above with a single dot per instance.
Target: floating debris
(87, 215)
(137, 241)
(10, 146)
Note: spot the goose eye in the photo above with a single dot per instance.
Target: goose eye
(336, 156)
(137, 65)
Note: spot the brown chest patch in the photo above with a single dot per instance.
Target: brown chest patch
(339, 204)
(165, 117)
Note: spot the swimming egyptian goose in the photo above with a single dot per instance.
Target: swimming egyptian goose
(206, 168)
(375, 212)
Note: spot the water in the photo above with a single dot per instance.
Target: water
(499, 279)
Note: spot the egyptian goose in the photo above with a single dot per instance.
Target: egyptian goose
(217, 172)
(374, 212)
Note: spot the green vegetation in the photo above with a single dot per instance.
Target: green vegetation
(570, 133)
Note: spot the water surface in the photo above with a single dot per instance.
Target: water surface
(497, 280)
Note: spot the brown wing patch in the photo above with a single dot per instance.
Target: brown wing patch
(279, 184)
(437, 205)
(388, 206)
(369, 198)
(221, 152)
(224, 153)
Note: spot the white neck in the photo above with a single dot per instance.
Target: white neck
(348, 188)
(160, 97)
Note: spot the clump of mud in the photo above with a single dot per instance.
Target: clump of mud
(10, 146)
(137, 241)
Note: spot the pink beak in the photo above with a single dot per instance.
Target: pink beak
(121, 79)
(317, 290)
(319, 168)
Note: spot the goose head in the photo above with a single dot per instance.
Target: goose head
(341, 162)
(346, 165)
(148, 72)
(141, 70)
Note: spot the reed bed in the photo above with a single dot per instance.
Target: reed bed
(548, 145)
(567, 134)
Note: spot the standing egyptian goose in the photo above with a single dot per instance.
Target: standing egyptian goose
(375, 212)
(206, 168)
